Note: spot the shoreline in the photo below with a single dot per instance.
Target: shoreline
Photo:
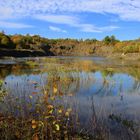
(33, 53)
(128, 56)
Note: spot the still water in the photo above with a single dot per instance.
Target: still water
(94, 87)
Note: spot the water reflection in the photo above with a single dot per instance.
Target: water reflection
(78, 75)
(112, 87)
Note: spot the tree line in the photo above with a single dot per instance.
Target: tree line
(67, 46)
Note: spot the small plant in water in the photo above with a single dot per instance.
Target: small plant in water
(45, 119)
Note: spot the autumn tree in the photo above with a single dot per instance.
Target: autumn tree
(5, 41)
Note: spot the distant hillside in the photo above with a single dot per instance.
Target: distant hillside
(26, 45)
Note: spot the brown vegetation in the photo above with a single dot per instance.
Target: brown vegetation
(26, 45)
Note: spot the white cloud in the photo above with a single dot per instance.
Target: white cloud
(91, 28)
(5, 24)
(5, 13)
(67, 10)
(126, 10)
(74, 22)
(59, 19)
(56, 29)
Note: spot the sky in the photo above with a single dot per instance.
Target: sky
(71, 18)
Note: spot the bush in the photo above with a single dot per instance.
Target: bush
(5, 41)
(131, 49)
(110, 40)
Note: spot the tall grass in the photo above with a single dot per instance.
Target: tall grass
(49, 110)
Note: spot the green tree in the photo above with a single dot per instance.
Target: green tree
(107, 40)
(113, 39)
(110, 40)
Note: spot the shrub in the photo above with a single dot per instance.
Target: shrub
(131, 49)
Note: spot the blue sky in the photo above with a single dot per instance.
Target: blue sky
(71, 18)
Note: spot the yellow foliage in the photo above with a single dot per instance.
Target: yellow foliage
(57, 127)
(52, 98)
(60, 111)
(34, 126)
(50, 106)
(69, 109)
(30, 97)
(51, 111)
(33, 121)
(55, 90)
(67, 114)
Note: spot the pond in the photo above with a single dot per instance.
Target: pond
(104, 93)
